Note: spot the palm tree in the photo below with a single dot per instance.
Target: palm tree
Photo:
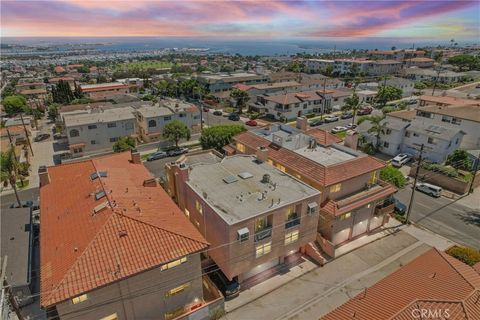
(241, 97)
(378, 127)
(352, 103)
(9, 170)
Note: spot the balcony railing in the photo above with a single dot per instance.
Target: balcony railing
(293, 221)
(265, 233)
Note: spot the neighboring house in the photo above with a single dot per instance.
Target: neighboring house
(289, 106)
(216, 82)
(399, 55)
(352, 196)
(115, 246)
(344, 66)
(366, 96)
(152, 119)
(135, 84)
(93, 130)
(446, 101)
(263, 215)
(407, 86)
(17, 247)
(336, 100)
(283, 76)
(55, 80)
(432, 286)
(102, 91)
(444, 76)
(420, 62)
(29, 85)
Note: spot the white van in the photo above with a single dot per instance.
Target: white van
(400, 160)
(429, 189)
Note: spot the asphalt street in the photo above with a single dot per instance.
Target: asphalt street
(445, 217)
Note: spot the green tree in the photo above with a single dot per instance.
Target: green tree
(352, 103)
(328, 71)
(241, 98)
(465, 62)
(52, 111)
(393, 175)
(83, 69)
(378, 127)
(419, 85)
(62, 93)
(460, 159)
(388, 93)
(438, 56)
(9, 170)
(15, 104)
(176, 130)
(124, 144)
(217, 137)
(296, 67)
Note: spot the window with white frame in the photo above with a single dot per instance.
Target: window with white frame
(263, 249)
(291, 237)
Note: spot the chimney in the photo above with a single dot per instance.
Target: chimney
(150, 182)
(351, 140)
(43, 175)
(136, 157)
(262, 154)
(302, 123)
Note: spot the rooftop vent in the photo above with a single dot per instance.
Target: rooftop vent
(245, 175)
(230, 179)
(100, 207)
(266, 178)
(94, 176)
(103, 174)
(100, 195)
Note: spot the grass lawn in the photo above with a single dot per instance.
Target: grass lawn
(143, 65)
(25, 184)
(341, 135)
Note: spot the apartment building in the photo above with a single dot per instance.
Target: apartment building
(420, 62)
(445, 76)
(115, 246)
(217, 82)
(289, 106)
(398, 55)
(102, 91)
(152, 119)
(352, 195)
(97, 129)
(253, 215)
(406, 85)
(344, 66)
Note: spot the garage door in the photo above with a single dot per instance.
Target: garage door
(359, 228)
(341, 236)
(260, 268)
(376, 222)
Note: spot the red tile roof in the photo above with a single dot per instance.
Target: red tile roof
(341, 206)
(323, 137)
(138, 229)
(323, 175)
(432, 280)
(59, 69)
(242, 86)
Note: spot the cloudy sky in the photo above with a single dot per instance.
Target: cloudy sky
(430, 19)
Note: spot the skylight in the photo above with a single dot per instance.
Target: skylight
(100, 195)
(94, 176)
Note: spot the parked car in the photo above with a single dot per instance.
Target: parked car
(234, 116)
(331, 118)
(217, 113)
(177, 151)
(429, 189)
(251, 123)
(57, 136)
(316, 122)
(339, 129)
(24, 204)
(364, 111)
(400, 160)
(347, 115)
(229, 288)
(41, 137)
(413, 101)
(400, 207)
(157, 155)
(351, 126)
(205, 109)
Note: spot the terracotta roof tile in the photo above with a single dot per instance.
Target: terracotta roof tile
(325, 176)
(82, 250)
(433, 279)
(323, 137)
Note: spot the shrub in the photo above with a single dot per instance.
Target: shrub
(124, 144)
(460, 159)
(393, 175)
(369, 148)
(467, 255)
(445, 170)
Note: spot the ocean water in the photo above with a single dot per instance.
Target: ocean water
(268, 47)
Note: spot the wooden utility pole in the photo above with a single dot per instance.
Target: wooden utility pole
(26, 134)
(412, 196)
(475, 169)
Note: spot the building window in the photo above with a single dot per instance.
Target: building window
(280, 167)
(270, 162)
(345, 216)
(114, 139)
(187, 213)
(386, 144)
(456, 141)
(373, 177)
(110, 317)
(177, 290)
(174, 313)
(129, 125)
(173, 264)
(79, 299)
(111, 125)
(152, 123)
(199, 207)
(93, 142)
(456, 121)
(92, 126)
(240, 147)
(336, 188)
(167, 118)
(407, 134)
(263, 249)
(415, 134)
(74, 133)
(291, 237)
